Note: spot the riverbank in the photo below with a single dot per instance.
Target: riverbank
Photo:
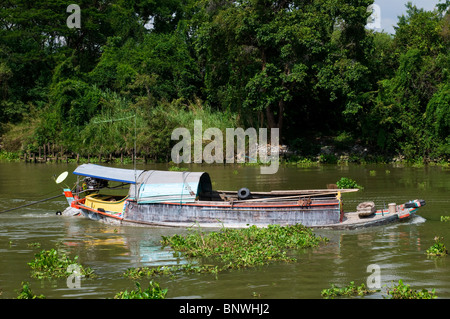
(327, 157)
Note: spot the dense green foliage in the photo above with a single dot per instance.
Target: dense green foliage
(247, 247)
(54, 264)
(136, 273)
(400, 291)
(27, 293)
(346, 182)
(153, 291)
(310, 68)
(348, 291)
(404, 291)
(438, 248)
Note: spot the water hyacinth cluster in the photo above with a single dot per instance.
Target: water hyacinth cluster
(404, 291)
(135, 273)
(347, 291)
(239, 248)
(438, 248)
(400, 291)
(154, 291)
(54, 264)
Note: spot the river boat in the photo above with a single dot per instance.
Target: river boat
(185, 199)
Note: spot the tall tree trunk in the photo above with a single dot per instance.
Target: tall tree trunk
(280, 116)
(270, 117)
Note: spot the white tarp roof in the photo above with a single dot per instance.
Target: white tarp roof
(170, 186)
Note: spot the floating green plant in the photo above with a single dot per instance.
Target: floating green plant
(135, 273)
(153, 291)
(53, 264)
(347, 291)
(239, 248)
(27, 293)
(438, 248)
(445, 218)
(402, 291)
(346, 182)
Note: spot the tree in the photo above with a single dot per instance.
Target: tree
(410, 111)
(159, 67)
(275, 59)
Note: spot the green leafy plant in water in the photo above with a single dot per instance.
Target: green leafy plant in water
(402, 291)
(346, 182)
(26, 292)
(153, 291)
(135, 273)
(347, 291)
(247, 247)
(438, 248)
(445, 218)
(53, 264)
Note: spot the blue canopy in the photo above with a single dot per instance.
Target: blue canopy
(153, 186)
(123, 175)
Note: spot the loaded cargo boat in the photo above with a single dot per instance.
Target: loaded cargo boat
(184, 199)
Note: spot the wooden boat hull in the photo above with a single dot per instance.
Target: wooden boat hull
(237, 215)
(320, 214)
(184, 199)
(352, 221)
(217, 214)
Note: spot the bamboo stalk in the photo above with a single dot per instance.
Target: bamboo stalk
(278, 198)
(298, 192)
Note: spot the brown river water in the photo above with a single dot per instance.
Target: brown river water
(399, 250)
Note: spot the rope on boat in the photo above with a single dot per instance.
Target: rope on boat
(29, 204)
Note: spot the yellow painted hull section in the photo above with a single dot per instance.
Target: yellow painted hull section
(108, 202)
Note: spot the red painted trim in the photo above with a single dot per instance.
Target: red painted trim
(68, 194)
(98, 212)
(80, 205)
(243, 206)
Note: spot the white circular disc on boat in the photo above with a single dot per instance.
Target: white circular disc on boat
(62, 177)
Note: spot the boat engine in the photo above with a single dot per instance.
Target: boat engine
(94, 183)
